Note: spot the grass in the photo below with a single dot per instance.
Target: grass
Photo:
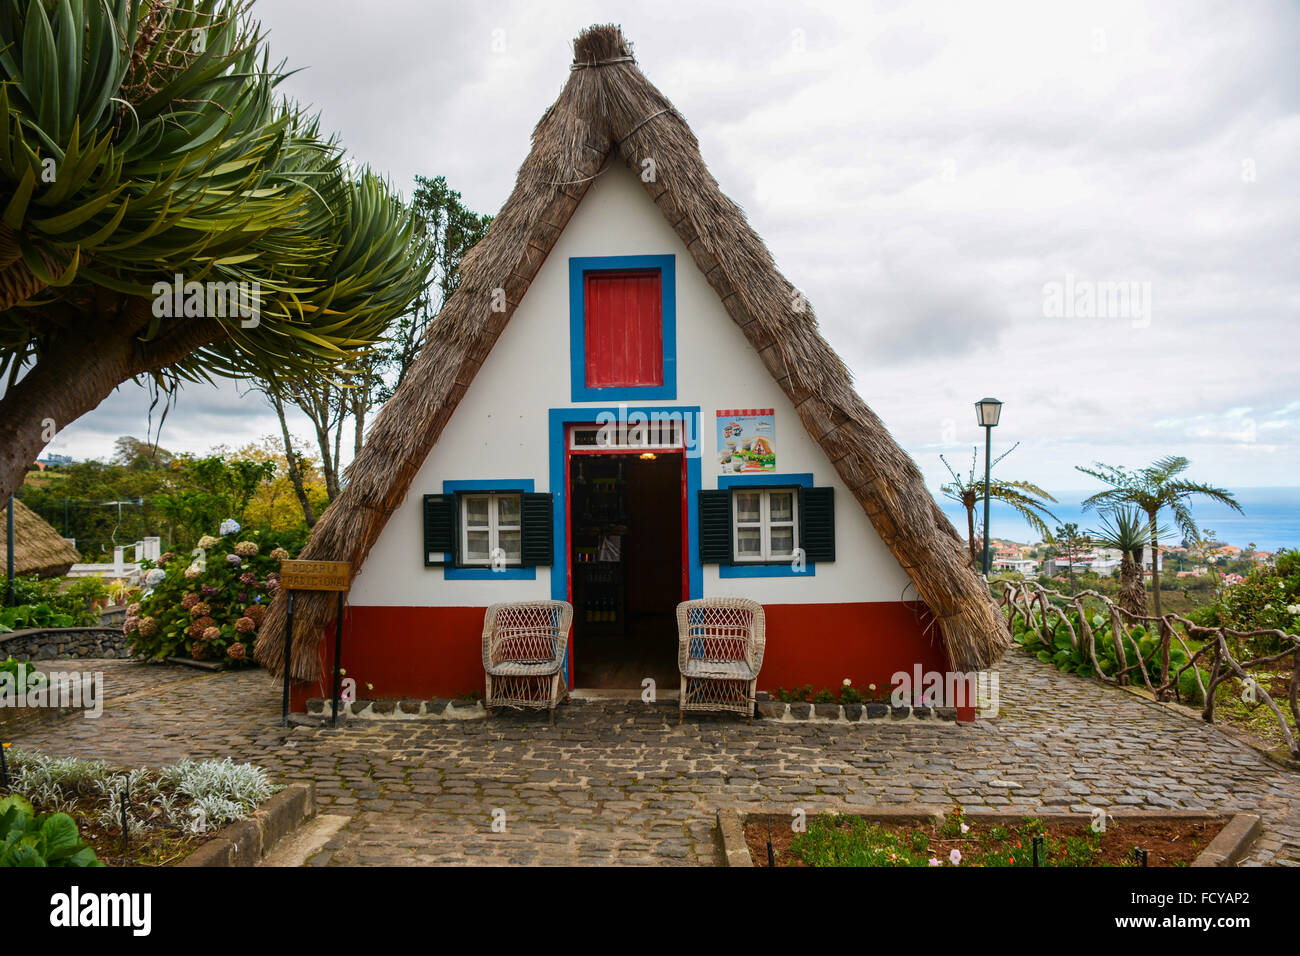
(846, 840)
(851, 841)
(1256, 719)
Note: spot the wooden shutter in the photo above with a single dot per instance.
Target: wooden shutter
(817, 523)
(439, 528)
(624, 327)
(538, 529)
(715, 527)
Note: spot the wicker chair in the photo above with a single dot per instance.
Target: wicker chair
(720, 645)
(524, 645)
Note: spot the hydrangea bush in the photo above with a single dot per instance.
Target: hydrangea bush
(208, 604)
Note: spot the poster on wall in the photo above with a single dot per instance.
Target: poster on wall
(746, 440)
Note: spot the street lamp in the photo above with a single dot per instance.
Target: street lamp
(987, 412)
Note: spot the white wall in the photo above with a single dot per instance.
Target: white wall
(500, 429)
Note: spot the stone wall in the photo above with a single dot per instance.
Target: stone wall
(43, 644)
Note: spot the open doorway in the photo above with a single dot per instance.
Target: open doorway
(625, 523)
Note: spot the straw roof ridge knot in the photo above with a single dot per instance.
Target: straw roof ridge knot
(593, 64)
(601, 45)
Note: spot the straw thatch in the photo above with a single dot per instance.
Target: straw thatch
(609, 111)
(38, 548)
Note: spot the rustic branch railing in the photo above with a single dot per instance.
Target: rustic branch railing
(1038, 606)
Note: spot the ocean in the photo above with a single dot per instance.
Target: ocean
(1271, 519)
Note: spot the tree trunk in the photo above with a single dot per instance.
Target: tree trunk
(1165, 638)
(970, 533)
(295, 473)
(359, 406)
(328, 465)
(1132, 595)
(80, 368)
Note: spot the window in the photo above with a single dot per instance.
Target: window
(755, 526)
(475, 520)
(491, 529)
(765, 524)
(623, 327)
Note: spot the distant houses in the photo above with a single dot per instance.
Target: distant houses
(1034, 560)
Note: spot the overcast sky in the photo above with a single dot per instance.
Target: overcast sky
(923, 172)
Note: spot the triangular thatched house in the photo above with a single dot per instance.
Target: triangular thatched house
(618, 284)
(38, 548)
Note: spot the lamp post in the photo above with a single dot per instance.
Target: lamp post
(987, 411)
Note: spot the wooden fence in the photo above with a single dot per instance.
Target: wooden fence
(1048, 614)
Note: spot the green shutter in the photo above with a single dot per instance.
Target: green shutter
(439, 528)
(538, 546)
(817, 523)
(715, 527)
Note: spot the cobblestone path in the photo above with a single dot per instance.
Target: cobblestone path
(623, 783)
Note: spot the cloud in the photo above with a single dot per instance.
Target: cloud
(919, 171)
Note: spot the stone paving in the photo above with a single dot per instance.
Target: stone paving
(621, 782)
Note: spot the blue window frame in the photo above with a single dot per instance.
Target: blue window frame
(578, 268)
(754, 570)
(452, 573)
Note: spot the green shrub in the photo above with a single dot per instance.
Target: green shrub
(797, 696)
(72, 598)
(26, 616)
(1189, 690)
(851, 695)
(21, 670)
(50, 839)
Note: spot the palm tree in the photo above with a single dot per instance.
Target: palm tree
(143, 141)
(1151, 490)
(1023, 496)
(1124, 530)
(1070, 542)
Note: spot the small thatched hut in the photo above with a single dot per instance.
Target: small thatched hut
(38, 548)
(626, 404)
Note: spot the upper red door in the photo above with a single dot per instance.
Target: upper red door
(624, 328)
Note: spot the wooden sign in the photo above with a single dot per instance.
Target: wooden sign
(315, 575)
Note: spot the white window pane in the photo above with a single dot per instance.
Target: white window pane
(782, 506)
(476, 511)
(749, 543)
(476, 546)
(747, 506)
(508, 511)
(782, 541)
(511, 543)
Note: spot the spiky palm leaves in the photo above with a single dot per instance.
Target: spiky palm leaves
(1026, 498)
(1151, 490)
(145, 140)
(1125, 530)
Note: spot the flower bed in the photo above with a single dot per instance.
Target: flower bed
(210, 607)
(959, 839)
(170, 811)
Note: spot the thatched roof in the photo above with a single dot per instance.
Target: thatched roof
(38, 548)
(609, 111)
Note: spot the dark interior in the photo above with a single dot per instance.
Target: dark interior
(627, 568)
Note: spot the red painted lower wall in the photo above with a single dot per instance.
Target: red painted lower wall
(425, 652)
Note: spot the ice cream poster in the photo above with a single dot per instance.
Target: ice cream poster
(746, 440)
